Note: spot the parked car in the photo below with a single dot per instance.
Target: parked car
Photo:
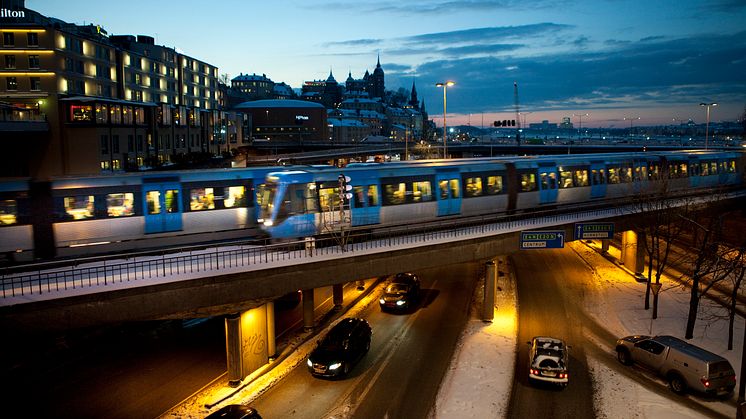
(548, 361)
(401, 293)
(341, 348)
(682, 364)
(235, 411)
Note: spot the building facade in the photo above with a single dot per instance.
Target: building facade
(110, 103)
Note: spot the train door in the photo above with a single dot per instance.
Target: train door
(162, 210)
(694, 172)
(366, 207)
(548, 184)
(449, 193)
(598, 180)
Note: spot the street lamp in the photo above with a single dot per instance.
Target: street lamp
(445, 85)
(580, 123)
(630, 119)
(707, 126)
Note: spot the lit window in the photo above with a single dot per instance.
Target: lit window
(120, 204)
(472, 187)
(202, 199)
(494, 185)
(422, 191)
(81, 113)
(235, 197)
(528, 182)
(8, 212)
(79, 207)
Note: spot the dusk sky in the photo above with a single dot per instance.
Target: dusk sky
(654, 59)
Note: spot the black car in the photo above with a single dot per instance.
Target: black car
(401, 293)
(341, 348)
(235, 411)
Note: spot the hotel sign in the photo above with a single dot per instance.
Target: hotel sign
(8, 13)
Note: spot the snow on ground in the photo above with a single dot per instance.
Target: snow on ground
(480, 377)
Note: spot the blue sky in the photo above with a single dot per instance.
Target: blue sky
(654, 59)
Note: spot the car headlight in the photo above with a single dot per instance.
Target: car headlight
(401, 302)
(335, 365)
(268, 223)
(310, 364)
(382, 301)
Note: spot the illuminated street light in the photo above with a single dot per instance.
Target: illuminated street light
(630, 119)
(445, 85)
(707, 126)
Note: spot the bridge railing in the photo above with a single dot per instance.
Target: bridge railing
(194, 263)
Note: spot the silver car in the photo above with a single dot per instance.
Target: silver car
(547, 361)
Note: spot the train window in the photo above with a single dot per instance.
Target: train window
(234, 196)
(455, 189)
(422, 191)
(613, 175)
(8, 212)
(731, 166)
(565, 178)
(329, 199)
(120, 204)
(358, 196)
(494, 185)
(625, 174)
(713, 168)
(79, 207)
(373, 195)
(153, 199)
(704, 169)
(528, 182)
(472, 187)
(654, 172)
(202, 199)
(597, 177)
(172, 200)
(443, 186)
(580, 177)
(394, 194)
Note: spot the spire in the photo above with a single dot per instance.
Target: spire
(378, 64)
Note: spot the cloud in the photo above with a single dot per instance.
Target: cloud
(353, 43)
(490, 34)
(451, 7)
(649, 72)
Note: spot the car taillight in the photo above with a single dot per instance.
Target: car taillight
(534, 371)
(563, 375)
(705, 381)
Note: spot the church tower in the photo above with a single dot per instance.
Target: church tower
(413, 102)
(378, 86)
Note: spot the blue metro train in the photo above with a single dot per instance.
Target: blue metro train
(306, 201)
(78, 216)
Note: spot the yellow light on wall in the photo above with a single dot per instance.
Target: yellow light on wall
(26, 51)
(24, 30)
(27, 73)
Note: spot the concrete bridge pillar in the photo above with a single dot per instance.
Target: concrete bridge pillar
(308, 309)
(233, 348)
(604, 246)
(490, 280)
(338, 295)
(248, 339)
(271, 343)
(633, 251)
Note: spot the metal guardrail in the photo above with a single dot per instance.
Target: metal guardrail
(196, 262)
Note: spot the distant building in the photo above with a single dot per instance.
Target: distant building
(254, 87)
(286, 120)
(566, 123)
(543, 126)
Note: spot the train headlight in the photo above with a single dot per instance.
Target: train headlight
(268, 223)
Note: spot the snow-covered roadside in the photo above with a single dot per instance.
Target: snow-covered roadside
(480, 378)
(615, 300)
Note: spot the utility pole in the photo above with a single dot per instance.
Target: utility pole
(517, 114)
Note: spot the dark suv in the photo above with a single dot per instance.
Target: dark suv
(401, 293)
(341, 348)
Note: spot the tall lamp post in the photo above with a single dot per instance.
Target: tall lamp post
(630, 119)
(580, 123)
(707, 126)
(445, 85)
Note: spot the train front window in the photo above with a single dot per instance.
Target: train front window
(235, 196)
(172, 201)
(265, 197)
(8, 212)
